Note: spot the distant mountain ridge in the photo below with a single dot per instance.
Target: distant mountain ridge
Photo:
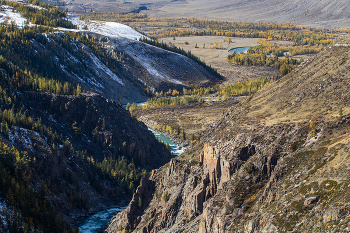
(325, 13)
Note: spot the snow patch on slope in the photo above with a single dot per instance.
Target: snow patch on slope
(20, 135)
(102, 67)
(149, 65)
(110, 29)
(8, 15)
(140, 52)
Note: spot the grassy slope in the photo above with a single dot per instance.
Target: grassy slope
(319, 86)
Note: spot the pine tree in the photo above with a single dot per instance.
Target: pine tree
(78, 89)
(139, 204)
(183, 135)
(103, 124)
(340, 113)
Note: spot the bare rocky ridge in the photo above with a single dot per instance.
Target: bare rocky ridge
(257, 171)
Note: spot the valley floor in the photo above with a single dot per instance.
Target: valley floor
(217, 58)
(193, 118)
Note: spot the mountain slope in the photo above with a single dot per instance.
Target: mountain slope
(317, 88)
(105, 128)
(160, 69)
(64, 152)
(325, 13)
(64, 156)
(106, 59)
(154, 67)
(315, 13)
(276, 162)
(120, 70)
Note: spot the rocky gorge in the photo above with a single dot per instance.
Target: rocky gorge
(273, 163)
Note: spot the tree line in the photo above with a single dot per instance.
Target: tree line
(265, 54)
(187, 96)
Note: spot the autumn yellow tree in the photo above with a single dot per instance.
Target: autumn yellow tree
(313, 128)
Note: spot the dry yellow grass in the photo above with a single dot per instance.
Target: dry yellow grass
(193, 118)
(320, 86)
(217, 57)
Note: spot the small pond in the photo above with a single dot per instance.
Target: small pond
(239, 50)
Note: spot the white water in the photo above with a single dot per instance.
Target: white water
(176, 149)
(95, 222)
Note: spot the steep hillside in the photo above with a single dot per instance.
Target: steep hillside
(69, 57)
(312, 13)
(120, 70)
(65, 155)
(160, 69)
(316, 13)
(318, 88)
(102, 127)
(276, 162)
(66, 152)
(154, 67)
(107, 59)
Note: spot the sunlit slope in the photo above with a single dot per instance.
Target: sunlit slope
(318, 87)
(315, 13)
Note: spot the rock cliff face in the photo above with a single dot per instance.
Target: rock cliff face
(87, 122)
(106, 128)
(217, 167)
(266, 186)
(209, 190)
(260, 173)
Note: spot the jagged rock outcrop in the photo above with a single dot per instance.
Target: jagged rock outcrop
(140, 199)
(214, 192)
(269, 165)
(185, 191)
